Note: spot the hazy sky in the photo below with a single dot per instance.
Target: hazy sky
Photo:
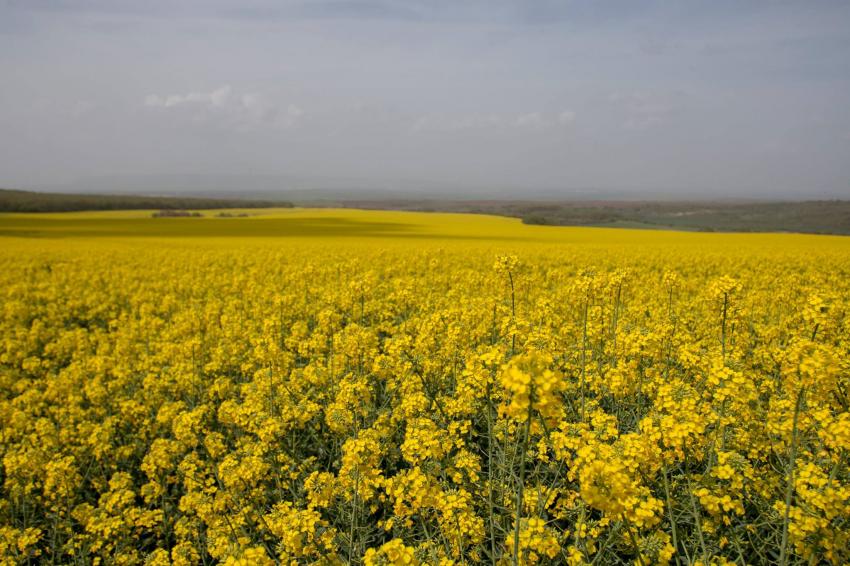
(693, 98)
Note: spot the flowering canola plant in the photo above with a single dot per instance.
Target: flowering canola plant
(420, 389)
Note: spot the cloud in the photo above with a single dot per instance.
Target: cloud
(442, 123)
(224, 106)
(526, 121)
(529, 120)
(566, 117)
(644, 109)
(542, 121)
(215, 99)
(294, 111)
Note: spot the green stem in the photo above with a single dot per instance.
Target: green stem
(723, 326)
(521, 487)
(513, 313)
(789, 475)
(670, 508)
(583, 358)
(632, 538)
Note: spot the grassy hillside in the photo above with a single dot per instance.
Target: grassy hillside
(28, 201)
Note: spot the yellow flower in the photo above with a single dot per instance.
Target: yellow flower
(392, 553)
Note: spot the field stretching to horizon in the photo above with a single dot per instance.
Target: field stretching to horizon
(325, 386)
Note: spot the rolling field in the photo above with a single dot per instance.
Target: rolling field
(320, 386)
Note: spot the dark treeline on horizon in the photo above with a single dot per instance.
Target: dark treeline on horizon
(28, 201)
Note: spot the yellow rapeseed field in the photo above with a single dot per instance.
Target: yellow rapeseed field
(333, 387)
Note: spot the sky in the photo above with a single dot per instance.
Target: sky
(634, 98)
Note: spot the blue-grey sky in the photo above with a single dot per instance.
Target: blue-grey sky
(712, 98)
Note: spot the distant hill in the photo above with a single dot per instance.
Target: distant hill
(810, 217)
(29, 201)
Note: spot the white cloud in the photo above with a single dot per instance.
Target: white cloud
(534, 121)
(241, 111)
(645, 109)
(529, 120)
(566, 117)
(294, 111)
(542, 121)
(441, 123)
(215, 99)
(220, 96)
